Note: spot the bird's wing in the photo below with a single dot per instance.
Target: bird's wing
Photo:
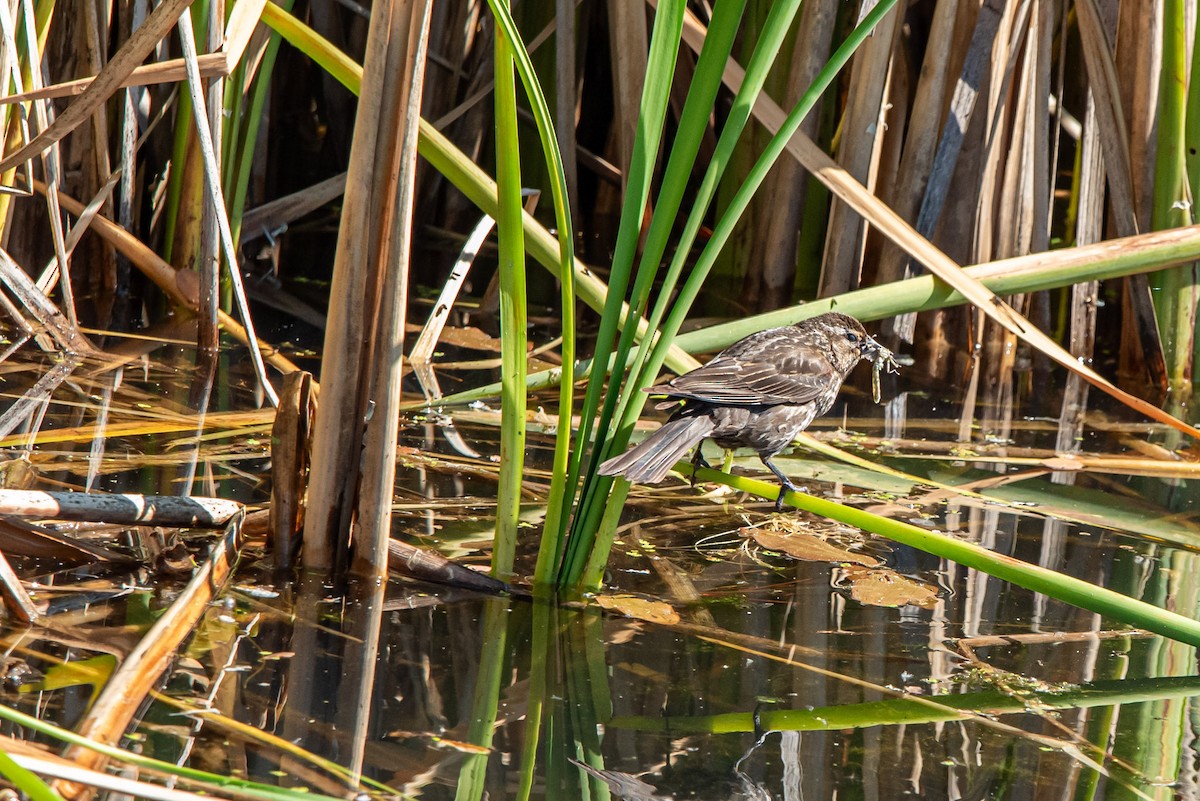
(774, 377)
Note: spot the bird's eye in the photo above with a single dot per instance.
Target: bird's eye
(851, 336)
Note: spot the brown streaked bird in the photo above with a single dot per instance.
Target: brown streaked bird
(758, 393)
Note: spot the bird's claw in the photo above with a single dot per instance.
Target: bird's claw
(698, 461)
(783, 491)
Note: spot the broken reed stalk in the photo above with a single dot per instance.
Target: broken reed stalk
(122, 695)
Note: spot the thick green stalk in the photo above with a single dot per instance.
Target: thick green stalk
(513, 359)
(541, 662)
(486, 700)
(926, 293)
(26, 781)
(1032, 577)
(561, 485)
(921, 709)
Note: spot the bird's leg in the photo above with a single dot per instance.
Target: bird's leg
(698, 461)
(784, 480)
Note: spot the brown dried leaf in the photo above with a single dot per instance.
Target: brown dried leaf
(469, 337)
(809, 548)
(639, 608)
(886, 588)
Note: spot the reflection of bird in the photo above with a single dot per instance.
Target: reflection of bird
(759, 393)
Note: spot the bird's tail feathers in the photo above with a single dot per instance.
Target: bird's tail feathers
(651, 459)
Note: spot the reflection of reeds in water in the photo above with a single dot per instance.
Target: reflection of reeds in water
(961, 133)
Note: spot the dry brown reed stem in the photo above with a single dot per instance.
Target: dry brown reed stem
(1089, 228)
(179, 285)
(157, 25)
(270, 216)
(627, 39)
(291, 442)
(785, 190)
(22, 538)
(42, 309)
(921, 137)
(410, 560)
(353, 465)
(240, 28)
(1045, 637)
(36, 396)
(212, 65)
(862, 131)
(891, 225)
(128, 686)
(565, 99)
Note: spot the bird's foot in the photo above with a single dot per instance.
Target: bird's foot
(698, 461)
(784, 481)
(784, 490)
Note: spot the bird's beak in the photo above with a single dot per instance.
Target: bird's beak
(869, 349)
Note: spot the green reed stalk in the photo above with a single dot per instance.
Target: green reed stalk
(692, 125)
(660, 67)
(921, 709)
(762, 59)
(561, 485)
(520, 58)
(1176, 302)
(541, 662)
(586, 673)
(513, 318)
(1149, 735)
(598, 555)
(26, 781)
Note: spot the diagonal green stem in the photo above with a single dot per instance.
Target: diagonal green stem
(1065, 588)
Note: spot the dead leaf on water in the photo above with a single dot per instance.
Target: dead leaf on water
(803, 546)
(886, 588)
(639, 608)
